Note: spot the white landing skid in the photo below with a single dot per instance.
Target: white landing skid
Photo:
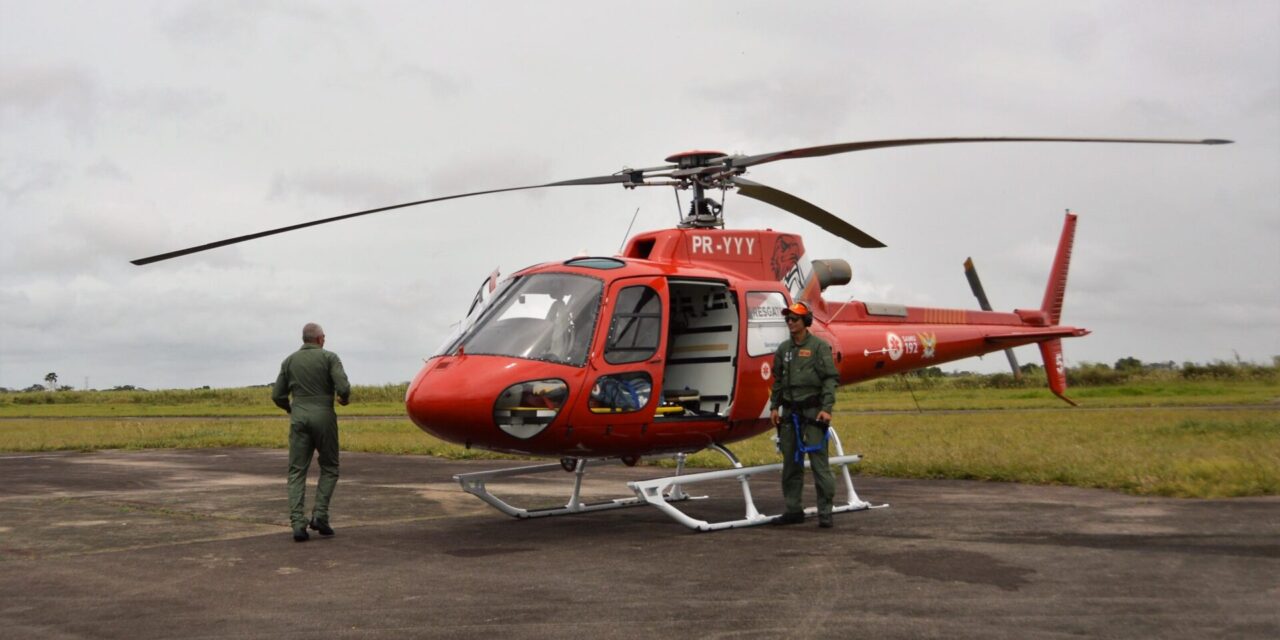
(659, 492)
(474, 483)
(652, 491)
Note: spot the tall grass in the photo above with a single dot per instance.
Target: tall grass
(1257, 385)
(395, 436)
(1091, 384)
(1168, 452)
(908, 393)
(244, 401)
(233, 397)
(1175, 452)
(1088, 374)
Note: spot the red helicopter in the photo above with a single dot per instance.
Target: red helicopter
(666, 348)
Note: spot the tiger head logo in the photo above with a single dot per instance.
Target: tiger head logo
(786, 255)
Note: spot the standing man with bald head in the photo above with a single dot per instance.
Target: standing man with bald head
(313, 376)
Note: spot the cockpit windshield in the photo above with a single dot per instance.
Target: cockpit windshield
(546, 316)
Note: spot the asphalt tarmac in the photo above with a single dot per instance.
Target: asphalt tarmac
(195, 544)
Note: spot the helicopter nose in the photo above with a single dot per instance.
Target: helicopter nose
(486, 402)
(441, 402)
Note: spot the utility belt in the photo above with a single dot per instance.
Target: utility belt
(313, 401)
(812, 403)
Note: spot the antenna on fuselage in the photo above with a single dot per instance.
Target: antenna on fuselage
(628, 233)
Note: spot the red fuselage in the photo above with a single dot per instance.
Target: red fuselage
(669, 347)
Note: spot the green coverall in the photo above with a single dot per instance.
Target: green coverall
(804, 382)
(313, 376)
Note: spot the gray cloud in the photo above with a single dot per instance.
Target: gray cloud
(342, 187)
(66, 94)
(167, 102)
(105, 169)
(186, 123)
(222, 21)
(795, 106)
(20, 178)
(436, 82)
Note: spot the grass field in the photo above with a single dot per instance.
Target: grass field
(1185, 438)
(885, 394)
(384, 400)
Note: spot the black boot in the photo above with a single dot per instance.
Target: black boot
(321, 526)
(790, 517)
(300, 534)
(825, 521)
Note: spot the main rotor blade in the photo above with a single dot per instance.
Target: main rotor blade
(806, 210)
(846, 147)
(611, 179)
(975, 284)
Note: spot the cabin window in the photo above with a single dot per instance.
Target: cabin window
(621, 393)
(636, 328)
(766, 328)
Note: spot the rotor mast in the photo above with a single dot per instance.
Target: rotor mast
(693, 168)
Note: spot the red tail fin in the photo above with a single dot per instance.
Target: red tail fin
(1057, 286)
(1055, 368)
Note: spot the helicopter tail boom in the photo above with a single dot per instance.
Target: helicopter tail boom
(895, 338)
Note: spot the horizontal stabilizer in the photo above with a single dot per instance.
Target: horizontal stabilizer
(1037, 336)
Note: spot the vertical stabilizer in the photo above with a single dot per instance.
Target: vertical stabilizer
(1055, 368)
(1057, 287)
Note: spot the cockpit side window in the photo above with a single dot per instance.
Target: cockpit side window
(636, 328)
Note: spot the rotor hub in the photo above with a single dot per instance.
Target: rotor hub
(695, 158)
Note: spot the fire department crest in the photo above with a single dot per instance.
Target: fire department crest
(929, 341)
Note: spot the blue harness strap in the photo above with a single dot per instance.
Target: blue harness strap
(801, 447)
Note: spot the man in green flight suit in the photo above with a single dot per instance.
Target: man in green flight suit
(313, 376)
(804, 386)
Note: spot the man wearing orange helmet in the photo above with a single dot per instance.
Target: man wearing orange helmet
(804, 394)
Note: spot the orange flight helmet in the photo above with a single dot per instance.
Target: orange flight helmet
(801, 310)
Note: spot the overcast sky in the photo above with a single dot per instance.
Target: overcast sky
(132, 128)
